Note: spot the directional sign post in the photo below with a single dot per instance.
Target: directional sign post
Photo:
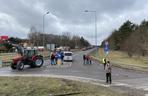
(106, 48)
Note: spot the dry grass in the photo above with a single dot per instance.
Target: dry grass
(123, 58)
(39, 86)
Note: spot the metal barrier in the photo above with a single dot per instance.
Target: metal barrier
(5, 64)
(0, 63)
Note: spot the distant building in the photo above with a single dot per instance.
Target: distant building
(3, 37)
(2, 42)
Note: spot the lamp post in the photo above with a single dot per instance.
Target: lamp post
(95, 17)
(43, 27)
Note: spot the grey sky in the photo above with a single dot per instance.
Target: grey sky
(17, 16)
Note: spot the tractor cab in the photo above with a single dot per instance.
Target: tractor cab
(30, 52)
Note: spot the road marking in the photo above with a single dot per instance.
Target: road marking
(121, 84)
(143, 87)
(75, 55)
(60, 66)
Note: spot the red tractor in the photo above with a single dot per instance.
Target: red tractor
(27, 57)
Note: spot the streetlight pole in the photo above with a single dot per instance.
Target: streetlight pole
(43, 27)
(95, 17)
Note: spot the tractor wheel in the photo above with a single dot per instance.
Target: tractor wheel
(38, 62)
(13, 67)
(20, 65)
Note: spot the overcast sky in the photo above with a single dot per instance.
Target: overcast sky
(17, 16)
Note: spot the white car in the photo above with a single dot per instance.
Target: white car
(68, 56)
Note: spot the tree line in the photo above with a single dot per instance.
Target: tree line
(35, 38)
(66, 39)
(130, 38)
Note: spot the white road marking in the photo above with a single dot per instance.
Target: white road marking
(121, 84)
(143, 87)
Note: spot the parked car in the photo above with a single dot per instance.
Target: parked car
(68, 56)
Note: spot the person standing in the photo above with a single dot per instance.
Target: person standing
(108, 70)
(90, 59)
(62, 57)
(104, 62)
(56, 58)
(52, 57)
(84, 58)
(87, 59)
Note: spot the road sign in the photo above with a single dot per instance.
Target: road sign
(51, 46)
(106, 47)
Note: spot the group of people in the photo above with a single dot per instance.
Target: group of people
(59, 56)
(86, 59)
(56, 57)
(108, 69)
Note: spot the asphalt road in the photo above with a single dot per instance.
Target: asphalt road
(121, 77)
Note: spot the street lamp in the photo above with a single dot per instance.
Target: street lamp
(43, 27)
(95, 16)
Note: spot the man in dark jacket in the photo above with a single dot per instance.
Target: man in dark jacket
(108, 70)
(84, 58)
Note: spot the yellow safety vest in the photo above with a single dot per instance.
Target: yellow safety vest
(103, 60)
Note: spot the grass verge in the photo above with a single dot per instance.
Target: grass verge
(39, 86)
(122, 59)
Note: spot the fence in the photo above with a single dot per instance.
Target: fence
(6, 59)
(4, 64)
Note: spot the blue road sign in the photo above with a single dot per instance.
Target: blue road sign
(106, 48)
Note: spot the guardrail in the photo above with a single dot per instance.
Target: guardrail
(6, 64)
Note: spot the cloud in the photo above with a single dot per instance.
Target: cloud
(16, 17)
(9, 26)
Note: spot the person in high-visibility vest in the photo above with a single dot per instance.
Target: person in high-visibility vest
(104, 62)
